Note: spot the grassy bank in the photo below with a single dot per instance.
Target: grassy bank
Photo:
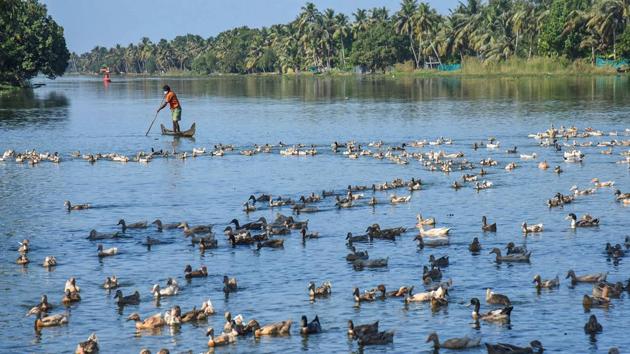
(471, 67)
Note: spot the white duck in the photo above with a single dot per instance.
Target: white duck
(170, 290)
(528, 157)
(434, 232)
(421, 221)
(399, 199)
(599, 184)
(531, 228)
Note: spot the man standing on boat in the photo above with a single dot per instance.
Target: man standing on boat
(176, 109)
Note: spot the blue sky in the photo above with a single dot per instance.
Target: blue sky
(88, 23)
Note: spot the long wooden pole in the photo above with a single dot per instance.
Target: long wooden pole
(153, 121)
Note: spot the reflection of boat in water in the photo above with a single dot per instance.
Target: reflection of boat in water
(185, 134)
(105, 71)
(107, 79)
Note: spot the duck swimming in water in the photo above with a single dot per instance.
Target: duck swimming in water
(453, 343)
(135, 225)
(496, 298)
(587, 222)
(592, 326)
(510, 257)
(587, 278)
(153, 322)
(488, 227)
(528, 229)
(504, 348)
(132, 299)
(546, 283)
(475, 246)
(319, 292)
(71, 207)
(50, 321)
(42, 307)
(111, 282)
(312, 327)
(90, 346)
(361, 330)
(498, 315)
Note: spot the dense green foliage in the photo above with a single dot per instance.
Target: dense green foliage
(30, 42)
(492, 30)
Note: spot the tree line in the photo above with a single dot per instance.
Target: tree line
(376, 39)
(31, 42)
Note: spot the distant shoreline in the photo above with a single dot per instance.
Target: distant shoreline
(535, 67)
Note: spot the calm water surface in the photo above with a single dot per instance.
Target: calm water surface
(82, 114)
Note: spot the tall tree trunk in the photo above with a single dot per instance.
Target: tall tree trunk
(516, 44)
(413, 50)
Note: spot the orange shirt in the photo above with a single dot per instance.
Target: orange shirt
(172, 100)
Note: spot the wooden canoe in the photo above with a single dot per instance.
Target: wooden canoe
(185, 134)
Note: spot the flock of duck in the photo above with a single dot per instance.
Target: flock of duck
(261, 234)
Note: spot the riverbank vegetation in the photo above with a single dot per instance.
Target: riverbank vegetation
(31, 43)
(490, 36)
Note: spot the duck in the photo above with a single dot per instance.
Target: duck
(528, 157)
(421, 221)
(22, 260)
(401, 292)
(171, 289)
(354, 255)
(511, 151)
(189, 273)
(319, 292)
(368, 296)
(312, 327)
(308, 236)
(24, 246)
(587, 278)
(43, 306)
(511, 166)
(229, 284)
(587, 222)
(599, 184)
(161, 226)
(621, 196)
(71, 284)
(504, 348)
(173, 316)
(274, 329)
(498, 315)
(487, 227)
(434, 232)
(220, 340)
(438, 262)
(527, 229)
(276, 243)
(431, 242)
(440, 292)
(49, 261)
(90, 346)
(71, 207)
(377, 338)
(592, 326)
(106, 252)
(513, 249)
(361, 330)
(259, 224)
(95, 235)
(577, 191)
(343, 203)
(373, 201)
(496, 298)
(483, 185)
(596, 301)
(557, 170)
(153, 322)
(132, 299)
(614, 290)
(394, 199)
(546, 283)
(70, 297)
(453, 343)
(110, 282)
(50, 321)
(543, 165)
(135, 225)
(360, 238)
(359, 264)
(510, 257)
(199, 229)
(474, 246)
(456, 185)
(207, 243)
